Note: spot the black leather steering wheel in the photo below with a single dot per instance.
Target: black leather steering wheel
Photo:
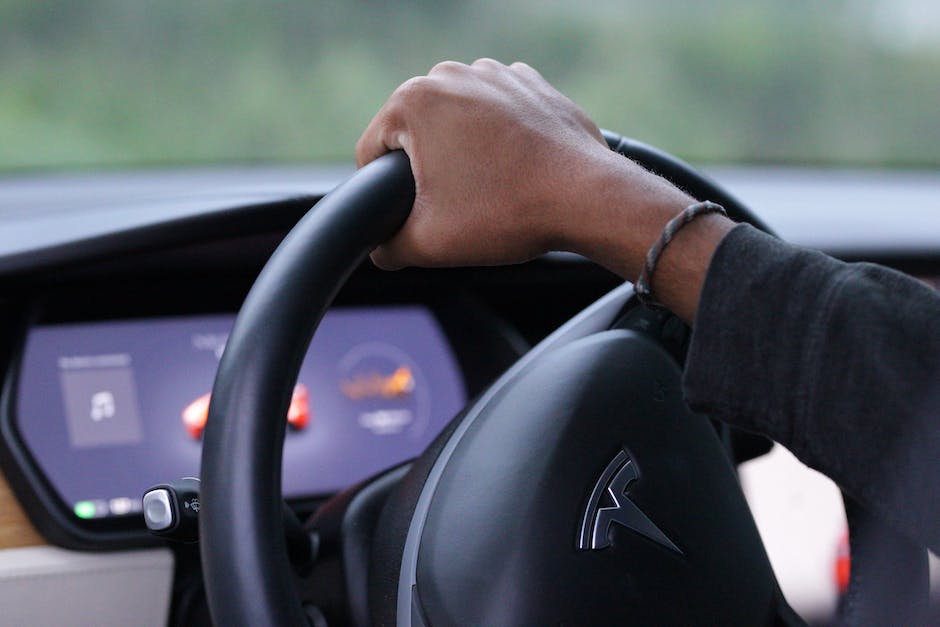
(577, 489)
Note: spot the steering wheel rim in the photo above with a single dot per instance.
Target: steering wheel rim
(242, 450)
(246, 570)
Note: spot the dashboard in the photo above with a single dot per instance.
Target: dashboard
(119, 291)
(104, 400)
(109, 409)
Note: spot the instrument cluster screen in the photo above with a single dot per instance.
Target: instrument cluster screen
(108, 409)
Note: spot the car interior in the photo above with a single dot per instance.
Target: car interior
(216, 410)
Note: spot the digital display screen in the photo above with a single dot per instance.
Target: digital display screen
(110, 409)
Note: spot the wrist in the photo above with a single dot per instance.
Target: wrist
(620, 210)
(618, 213)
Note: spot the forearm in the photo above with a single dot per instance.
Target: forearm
(838, 362)
(623, 211)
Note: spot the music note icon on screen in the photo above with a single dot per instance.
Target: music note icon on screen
(102, 406)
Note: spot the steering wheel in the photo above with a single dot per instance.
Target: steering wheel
(577, 489)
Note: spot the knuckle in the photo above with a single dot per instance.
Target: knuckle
(412, 90)
(487, 63)
(526, 70)
(389, 122)
(447, 67)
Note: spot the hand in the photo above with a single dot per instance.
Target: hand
(495, 151)
(507, 168)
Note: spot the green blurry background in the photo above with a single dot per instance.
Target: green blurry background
(114, 82)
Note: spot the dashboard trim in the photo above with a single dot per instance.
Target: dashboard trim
(16, 530)
(35, 246)
(45, 585)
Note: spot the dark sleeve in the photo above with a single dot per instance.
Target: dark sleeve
(838, 362)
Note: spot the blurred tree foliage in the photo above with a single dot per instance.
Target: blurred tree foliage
(107, 82)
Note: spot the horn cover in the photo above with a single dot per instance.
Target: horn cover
(499, 542)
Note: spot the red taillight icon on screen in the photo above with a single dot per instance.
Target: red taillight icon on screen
(298, 414)
(196, 413)
(195, 416)
(843, 564)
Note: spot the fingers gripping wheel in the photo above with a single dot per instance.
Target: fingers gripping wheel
(485, 528)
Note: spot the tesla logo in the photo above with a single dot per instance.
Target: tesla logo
(597, 520)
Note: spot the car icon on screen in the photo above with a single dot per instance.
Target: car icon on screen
(196, 413)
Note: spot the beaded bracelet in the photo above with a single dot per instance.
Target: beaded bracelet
(642, 287)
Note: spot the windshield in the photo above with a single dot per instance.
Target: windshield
(113, 82)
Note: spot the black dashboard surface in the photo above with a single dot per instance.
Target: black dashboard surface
(56, 219)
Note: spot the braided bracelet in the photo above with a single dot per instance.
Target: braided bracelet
(642, 287)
